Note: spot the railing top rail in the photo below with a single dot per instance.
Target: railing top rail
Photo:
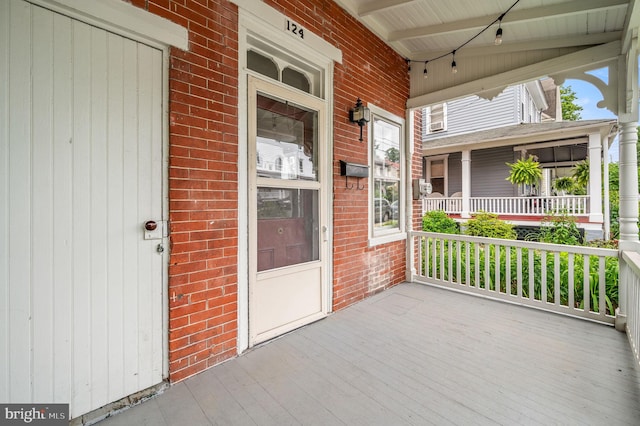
(590, 251)
(633, 260)
(536, 197)
(528, 197)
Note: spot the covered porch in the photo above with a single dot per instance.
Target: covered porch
(416, 354)
(471, 170)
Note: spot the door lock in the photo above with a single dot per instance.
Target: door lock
(154, 230)
(160, 248)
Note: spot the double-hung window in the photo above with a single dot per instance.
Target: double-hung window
(387, 178)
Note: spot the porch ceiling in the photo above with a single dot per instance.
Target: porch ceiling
(561, 38)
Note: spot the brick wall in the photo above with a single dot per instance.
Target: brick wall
(203, 184)
(203, 172)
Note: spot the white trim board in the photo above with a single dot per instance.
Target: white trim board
(268, 16)
(122, 18)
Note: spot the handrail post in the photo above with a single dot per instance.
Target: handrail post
(411, 261)
(623, 277)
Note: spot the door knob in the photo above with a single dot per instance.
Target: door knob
(150, 225)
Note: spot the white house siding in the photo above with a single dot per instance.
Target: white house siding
(489, 172)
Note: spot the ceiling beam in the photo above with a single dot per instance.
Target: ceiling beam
(540, 44)
(514, 16)
(592, 57)
(632, 22)
(381, 6)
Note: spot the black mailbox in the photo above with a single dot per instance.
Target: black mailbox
(353, 170)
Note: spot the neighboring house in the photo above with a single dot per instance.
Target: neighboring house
(468, 142)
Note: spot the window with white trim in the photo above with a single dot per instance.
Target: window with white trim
(435, 119)
(387, 175)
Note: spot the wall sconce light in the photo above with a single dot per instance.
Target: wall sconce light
(360, 115)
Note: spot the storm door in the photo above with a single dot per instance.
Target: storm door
(287, 219)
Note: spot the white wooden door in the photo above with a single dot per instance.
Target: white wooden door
(287, 198)
(81, 155)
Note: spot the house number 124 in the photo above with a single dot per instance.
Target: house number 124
(295, 29)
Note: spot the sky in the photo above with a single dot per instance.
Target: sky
(588, 97)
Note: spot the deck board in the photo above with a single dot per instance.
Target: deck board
(417, 355)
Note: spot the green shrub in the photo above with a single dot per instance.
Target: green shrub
(438, 221)
(488, 225)
(560, 229)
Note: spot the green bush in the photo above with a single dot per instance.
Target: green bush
(488, 225)
(560, 229)
(438, 221)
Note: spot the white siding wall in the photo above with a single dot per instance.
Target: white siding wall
(80, 171)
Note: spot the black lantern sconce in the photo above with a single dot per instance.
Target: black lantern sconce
(360, 114)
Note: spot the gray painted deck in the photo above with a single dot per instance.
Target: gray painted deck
(416, 355)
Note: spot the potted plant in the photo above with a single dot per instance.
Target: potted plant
(580, 173)
(525, 171)
(564, 184)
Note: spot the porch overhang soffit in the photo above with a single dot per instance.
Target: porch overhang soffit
(562, 38)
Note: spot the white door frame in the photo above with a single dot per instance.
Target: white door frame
(259, 23)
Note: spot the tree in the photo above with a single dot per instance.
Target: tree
(393, 154)
(570, 110)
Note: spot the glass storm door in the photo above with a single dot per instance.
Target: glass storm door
(287, 230)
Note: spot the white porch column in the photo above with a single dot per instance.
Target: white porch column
(607, 210)
(628, 186)
(466, 185)
(595, 178)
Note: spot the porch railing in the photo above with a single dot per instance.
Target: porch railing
(573, 205)
(630, 281)
(571, 280)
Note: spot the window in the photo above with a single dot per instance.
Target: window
(437, 174)
(435, 119)
(386, 187)
(302, 77)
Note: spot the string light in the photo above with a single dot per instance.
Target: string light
(498, 41)
(454, 68)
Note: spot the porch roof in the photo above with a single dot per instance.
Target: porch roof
(416, 355)
(557, 38)
(517, 134)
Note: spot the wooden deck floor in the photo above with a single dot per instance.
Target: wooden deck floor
(416, 355)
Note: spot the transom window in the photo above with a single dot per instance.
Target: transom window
(291, 74)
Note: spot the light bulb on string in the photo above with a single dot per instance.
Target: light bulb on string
(498, 40)
(454, 65)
